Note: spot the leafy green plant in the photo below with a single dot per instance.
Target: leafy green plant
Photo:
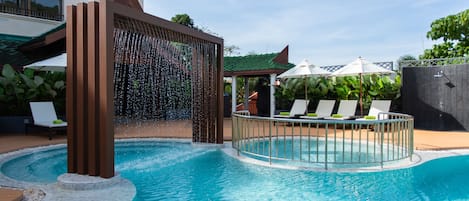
(452, 30)
(18, 89)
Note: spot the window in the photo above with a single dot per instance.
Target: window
(46, 7)
(9, 3)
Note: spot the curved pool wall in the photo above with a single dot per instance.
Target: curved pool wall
(27, 152)
(177, 170)
(329, 143)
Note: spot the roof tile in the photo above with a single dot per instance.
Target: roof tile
(254, 62)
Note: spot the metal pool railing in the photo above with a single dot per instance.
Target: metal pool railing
(327, 143)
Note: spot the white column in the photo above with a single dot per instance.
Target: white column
(246, 93)
(233, 93)
(273, 77)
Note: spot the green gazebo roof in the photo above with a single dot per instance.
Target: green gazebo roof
(9, 49)
(259, 64)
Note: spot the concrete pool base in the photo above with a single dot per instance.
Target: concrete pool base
(81, 187)
(84, 182)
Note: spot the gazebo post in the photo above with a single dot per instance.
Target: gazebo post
(273, 77)
(246, 93)
(233, 93)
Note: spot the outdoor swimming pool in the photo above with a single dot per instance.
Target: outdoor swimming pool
(168, 170)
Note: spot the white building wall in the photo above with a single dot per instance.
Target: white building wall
(25, 26)
(30, 26)
(74, 2)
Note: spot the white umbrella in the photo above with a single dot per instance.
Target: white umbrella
(302, 70)
(57, 63)
(360, 67)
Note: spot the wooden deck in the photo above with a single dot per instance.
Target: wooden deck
(10, 195)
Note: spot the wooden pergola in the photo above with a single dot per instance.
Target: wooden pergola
(90, 66)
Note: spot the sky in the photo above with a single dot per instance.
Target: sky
(332, 32)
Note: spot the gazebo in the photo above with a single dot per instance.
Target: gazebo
(255, 66)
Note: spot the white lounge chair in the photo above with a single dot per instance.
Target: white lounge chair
(346, 110)
(44, 116)
(299, 107)
(324, 109)
(377, 107)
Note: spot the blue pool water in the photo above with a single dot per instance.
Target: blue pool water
(178, 171)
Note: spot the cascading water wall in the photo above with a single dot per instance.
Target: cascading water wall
(162, 76)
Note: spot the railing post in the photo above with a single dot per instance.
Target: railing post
(325, 145)
(411, 140)
(382, 144)
(270, 142)
(238, 133)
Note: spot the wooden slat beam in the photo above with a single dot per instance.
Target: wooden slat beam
(71, 92)
(93, 90)
(220, 93)
(106, 90)
(81, 87)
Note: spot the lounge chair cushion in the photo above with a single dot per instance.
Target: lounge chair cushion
(298, 108)
(324, 109)
(346, 109)
(378, 106)
(44, 114)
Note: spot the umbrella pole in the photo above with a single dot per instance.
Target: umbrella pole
(361, 96)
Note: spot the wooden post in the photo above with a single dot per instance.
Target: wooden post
(90, 116)
(93, 90)
(220, 93)
(105, 101)
(70, 92)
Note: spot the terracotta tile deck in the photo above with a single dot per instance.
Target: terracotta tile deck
(423, 139)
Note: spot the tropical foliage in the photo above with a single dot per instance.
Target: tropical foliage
(454, 32)
(186, 20)
(183, 19)
(18, 89)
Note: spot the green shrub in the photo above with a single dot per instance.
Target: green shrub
(18, 89)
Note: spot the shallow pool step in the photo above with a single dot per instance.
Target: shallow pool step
(10, 195)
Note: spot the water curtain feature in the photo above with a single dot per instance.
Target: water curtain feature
(162, 76)
(126, 67)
